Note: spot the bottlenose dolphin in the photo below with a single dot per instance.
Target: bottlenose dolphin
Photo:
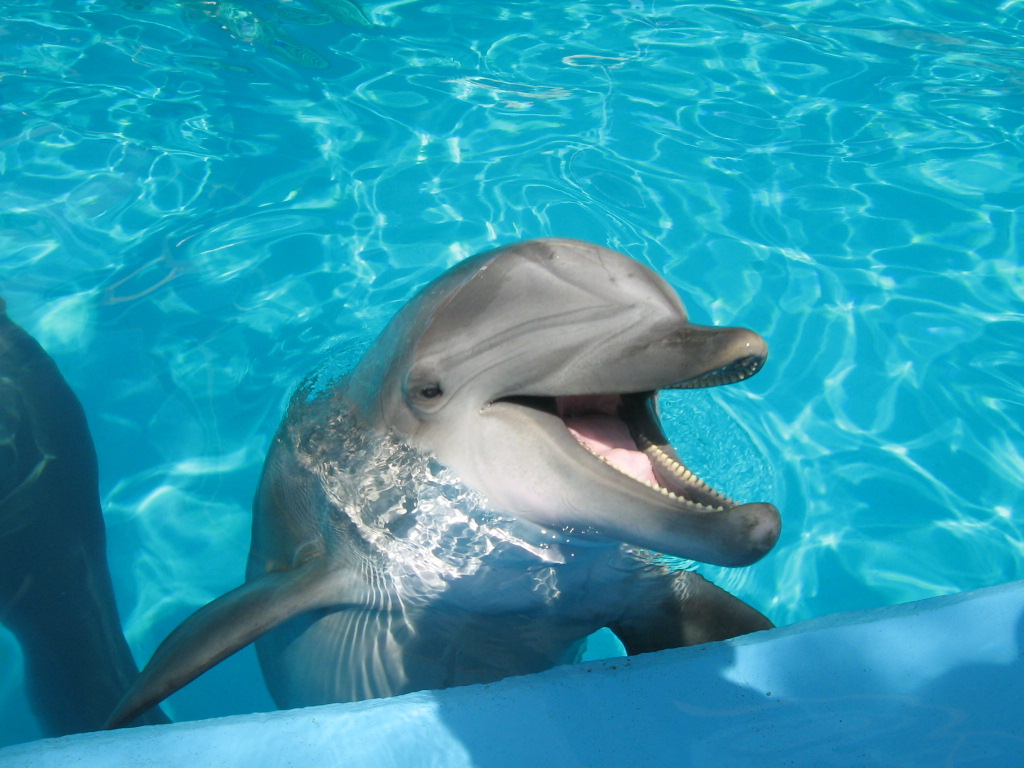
(55, 590)
(485, 489)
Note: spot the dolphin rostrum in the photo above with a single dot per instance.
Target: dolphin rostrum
(484, 490)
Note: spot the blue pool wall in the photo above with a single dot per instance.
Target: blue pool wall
(931, 683)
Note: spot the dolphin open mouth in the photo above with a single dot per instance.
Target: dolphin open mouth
(624, 431)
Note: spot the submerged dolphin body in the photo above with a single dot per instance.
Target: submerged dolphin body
(480, 493)
(55, 590)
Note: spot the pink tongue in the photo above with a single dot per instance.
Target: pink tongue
(609, 438)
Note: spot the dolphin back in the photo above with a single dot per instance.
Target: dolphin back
(56, 594)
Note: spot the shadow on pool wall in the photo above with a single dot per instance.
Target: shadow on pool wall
(846, 698)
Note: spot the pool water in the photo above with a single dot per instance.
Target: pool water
(200, 201)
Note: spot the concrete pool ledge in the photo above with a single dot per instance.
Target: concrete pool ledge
(938, 682)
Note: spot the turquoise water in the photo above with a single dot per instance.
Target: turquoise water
(200, 201)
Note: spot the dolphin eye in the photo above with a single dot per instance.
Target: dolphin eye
(423, 391)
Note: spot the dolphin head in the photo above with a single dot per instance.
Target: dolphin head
(532, 372)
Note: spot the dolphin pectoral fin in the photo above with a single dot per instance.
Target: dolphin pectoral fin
(694, 611)
(223, 627)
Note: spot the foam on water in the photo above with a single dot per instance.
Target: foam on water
(200, 200)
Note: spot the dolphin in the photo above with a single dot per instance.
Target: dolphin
(487, 487)
(55, 589)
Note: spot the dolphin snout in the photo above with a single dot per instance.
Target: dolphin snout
(722, 343)
(767, 527)
(763, 526)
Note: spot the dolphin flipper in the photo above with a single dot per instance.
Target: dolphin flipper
(55, 590)
(691, 611)
(227, 625)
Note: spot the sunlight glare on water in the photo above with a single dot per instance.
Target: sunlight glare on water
(201, 200)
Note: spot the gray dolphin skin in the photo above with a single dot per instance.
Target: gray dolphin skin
(484, 490)
(55, 590)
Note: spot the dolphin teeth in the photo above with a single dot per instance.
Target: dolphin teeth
(738, 370)
(599, 422)
(679, 470)
(660, 488)
(685, 474)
